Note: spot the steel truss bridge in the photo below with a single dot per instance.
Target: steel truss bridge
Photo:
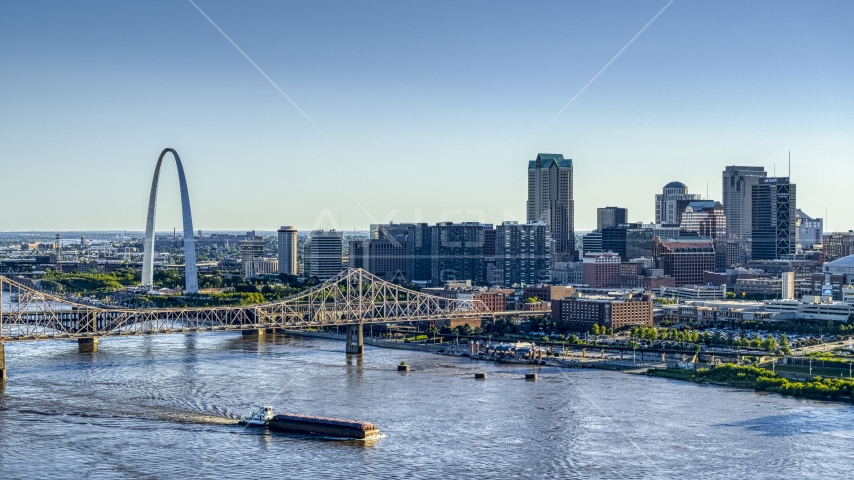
(353, 298)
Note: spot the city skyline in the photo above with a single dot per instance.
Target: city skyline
(676, 105)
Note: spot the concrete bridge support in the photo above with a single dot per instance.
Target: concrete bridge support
(2, 363)
(254, 332)
(87, 344)
(355, 340)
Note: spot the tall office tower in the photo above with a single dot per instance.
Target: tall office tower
(670, 203)
(773, 218)
(323, 256)
(738, 185)
(706, 217)
(611, 217)
(550, 201)
(522, 253)
(250, 252)
(288, 250)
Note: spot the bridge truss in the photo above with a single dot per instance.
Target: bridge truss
(354, 297)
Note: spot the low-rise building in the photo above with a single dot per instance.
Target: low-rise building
(761, 286)
(547, 293)
(571, 273)
(695, 292)
(580, 313)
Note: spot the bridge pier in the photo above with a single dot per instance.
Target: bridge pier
(603, 353)
(355, 340)
(254, 332)
(2, 363)
(583, 353)
(663, 356)
(87, 344)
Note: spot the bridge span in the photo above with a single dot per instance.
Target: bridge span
(352, 299)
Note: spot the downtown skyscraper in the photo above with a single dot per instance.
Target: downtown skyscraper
(738, 182)
(774, 218)
(550, 201)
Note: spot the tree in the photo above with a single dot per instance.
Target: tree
(595, 329)
(784, 345)
(769, 344)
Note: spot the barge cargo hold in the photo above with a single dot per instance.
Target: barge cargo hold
(335, 427)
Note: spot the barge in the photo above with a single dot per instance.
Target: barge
(336, 427)
(308, 424)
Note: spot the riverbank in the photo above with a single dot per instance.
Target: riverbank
(760, 379)
(374, 342)
(563, 362)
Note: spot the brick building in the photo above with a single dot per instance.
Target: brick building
(685, 260)
(547, 293)
(580, 313)
(601, 270)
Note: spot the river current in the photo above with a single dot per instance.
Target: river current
(165, 407)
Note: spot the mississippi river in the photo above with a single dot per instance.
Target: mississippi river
(164, 407)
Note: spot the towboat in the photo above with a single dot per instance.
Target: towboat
(259, 418)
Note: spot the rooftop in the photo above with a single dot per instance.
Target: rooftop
(546, 160)
(700, 205)
(842, 262)
(676, 185)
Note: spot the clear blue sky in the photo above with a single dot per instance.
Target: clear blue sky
(432, 108)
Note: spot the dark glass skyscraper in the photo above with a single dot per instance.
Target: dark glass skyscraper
(773, 218)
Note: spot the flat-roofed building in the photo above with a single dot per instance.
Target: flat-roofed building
(601, 270)
(250, 252)
(686, 259)
(386, 258)
(547, 293)
(287, 250)
(580, 313)
(611, 217)
(774, 219)
(521, 252)
(324, 255)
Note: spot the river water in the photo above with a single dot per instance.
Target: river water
(164, 407)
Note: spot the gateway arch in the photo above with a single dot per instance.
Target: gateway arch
(190, 273)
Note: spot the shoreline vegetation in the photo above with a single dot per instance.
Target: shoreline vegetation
(762, 380)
